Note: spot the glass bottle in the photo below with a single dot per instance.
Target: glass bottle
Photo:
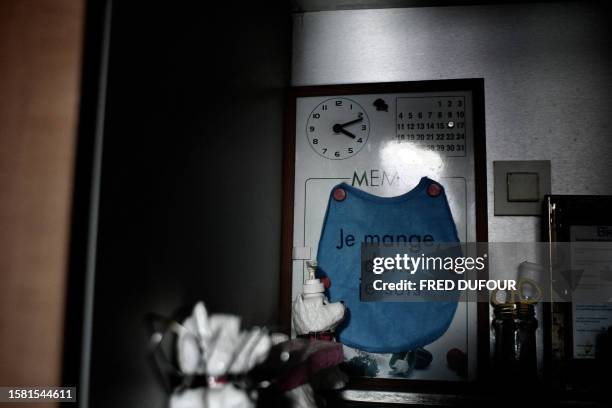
(526, 336)
(505, 328)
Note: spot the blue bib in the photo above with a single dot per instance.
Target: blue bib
(421, 214)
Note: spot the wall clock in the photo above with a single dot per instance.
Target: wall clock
(382, 138)
(338, 128)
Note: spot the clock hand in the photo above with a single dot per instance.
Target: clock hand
(338, 128)
(346, 132)
(351, 122)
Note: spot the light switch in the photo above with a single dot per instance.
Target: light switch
(520, 186)
(523, 187)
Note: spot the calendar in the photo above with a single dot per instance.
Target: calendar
(435, 124)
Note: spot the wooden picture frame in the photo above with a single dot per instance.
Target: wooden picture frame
(479, 221)
(562, 371)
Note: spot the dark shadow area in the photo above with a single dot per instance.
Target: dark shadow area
(190, 203)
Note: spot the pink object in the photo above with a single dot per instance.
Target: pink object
(434, 190)
(318, 355)
(339, 194)
(326, 282)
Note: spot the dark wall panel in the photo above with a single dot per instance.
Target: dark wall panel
(191, 179)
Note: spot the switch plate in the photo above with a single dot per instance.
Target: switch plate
(520, 186)
(523, 187)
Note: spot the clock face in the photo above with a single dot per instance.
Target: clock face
(338, 128)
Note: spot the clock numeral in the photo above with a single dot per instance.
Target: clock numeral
(338, 103)
(324, 150)
(360, 115)
(315, 141)
(337, 154)
(316, 115)
(359, 140)
(363, 127)
(324, 107)
(311, 128)
(351, 107)
(350, 150)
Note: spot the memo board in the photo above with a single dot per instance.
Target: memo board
(382, 138)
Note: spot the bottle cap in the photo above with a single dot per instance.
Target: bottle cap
(505, 310)
(313, 286)
(524, 310)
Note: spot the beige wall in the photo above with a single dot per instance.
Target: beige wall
(40, 55)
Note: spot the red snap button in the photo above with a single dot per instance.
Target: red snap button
(434, 190)
(339, 194)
